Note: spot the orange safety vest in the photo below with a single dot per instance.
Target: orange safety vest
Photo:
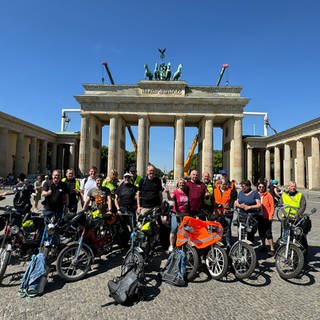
(199, 233)
(222, 198)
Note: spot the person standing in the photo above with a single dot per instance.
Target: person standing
(56, 197)
(135, 177)
(249, 202)
(125, 199)
(196, 191)
(99, 196)
(208, 199)
(149, 193)
(180, 209)
(223, 200)
(73, 186)
(37, 192)
(88, 183)
(265, 221)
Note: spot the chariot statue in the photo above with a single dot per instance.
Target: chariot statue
(163, 71)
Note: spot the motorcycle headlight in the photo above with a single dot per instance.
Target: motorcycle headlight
(298, 232)
(50, 229)
(14, 230)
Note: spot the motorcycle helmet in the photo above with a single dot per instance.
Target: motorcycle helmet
(28, 226)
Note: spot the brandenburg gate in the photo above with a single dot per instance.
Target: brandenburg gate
(161, 103)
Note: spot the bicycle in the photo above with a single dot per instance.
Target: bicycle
(292, 245)
(242, 254)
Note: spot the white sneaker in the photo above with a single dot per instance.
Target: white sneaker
(170, 249)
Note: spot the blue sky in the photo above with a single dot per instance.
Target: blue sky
(48, 49)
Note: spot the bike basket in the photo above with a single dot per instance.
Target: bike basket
(28, 226)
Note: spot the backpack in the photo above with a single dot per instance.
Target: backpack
(34, 279)
(175, 270)
(21, 200)
(128, 287)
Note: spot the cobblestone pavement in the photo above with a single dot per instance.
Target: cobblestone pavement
(264, 296)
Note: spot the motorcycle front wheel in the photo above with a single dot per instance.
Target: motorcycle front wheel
(192, 261)
(243, 259)
(71, 268)
(217, 262)
(289, 266)
(5, 255)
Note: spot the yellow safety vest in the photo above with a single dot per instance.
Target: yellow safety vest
(208, 202)
(137, 181)
(77, 185)
(293, 202)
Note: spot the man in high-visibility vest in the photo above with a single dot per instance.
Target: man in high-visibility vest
(208, 202)
(135, 177)
(294, 199)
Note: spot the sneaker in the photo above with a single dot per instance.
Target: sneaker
(170, 249)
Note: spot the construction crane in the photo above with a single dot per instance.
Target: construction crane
(224, 67)
(187, 164)
(134, 142)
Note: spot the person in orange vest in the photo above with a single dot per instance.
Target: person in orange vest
(224, 197)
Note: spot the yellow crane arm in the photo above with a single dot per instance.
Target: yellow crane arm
(187, 163)
(134, 142)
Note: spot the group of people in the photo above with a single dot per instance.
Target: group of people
(204, 199)
(209, 200)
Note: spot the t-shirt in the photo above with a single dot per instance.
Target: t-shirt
(196, 192)
(181, 201)
(150, 192)
(99, 198)
(55, 200)
(127, 193)
(87, 184)
(250, 200)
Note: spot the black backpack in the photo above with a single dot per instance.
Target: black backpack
(175, 270)
(128, 288)
(21, 200)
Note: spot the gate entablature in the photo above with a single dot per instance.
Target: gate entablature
(167, 103)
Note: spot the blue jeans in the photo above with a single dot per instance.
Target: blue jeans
(174, 224)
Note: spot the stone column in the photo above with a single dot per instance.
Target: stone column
(267, 164)
(53, 164)
(178, 148)
(43, 156)
(315, 167)
(20, 154)
(277, 169)
(4, 164)
(142, 143)
(33, 165)
(207, 146)
(300, 178)
(249, 163)
(287, 164)
(147, 141)
(72, 151)
(84, 143)
(113, 138)
(236, 170)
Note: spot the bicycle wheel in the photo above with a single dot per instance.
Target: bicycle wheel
(243, 259)
(71, 268)
(291, 265)
(217, 262)
(5, 255)
(132, 259)
(192, 261)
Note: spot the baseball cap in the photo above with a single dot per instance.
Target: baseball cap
(128, 174)
(223, 172)
(132, 169)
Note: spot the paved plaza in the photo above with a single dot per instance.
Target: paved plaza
(264, 296)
